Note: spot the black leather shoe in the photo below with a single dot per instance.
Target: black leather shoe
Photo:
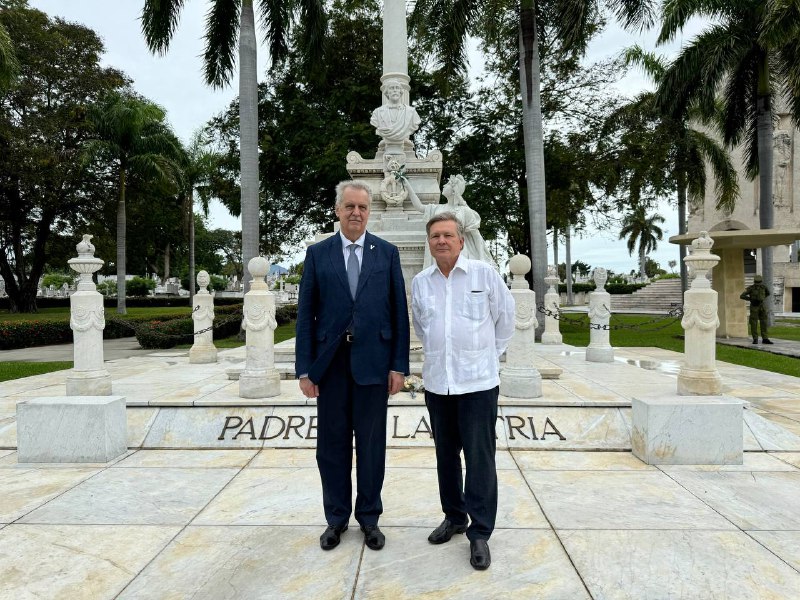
(373, 537)
(479, 556)
(331, 537)
(766, 341)
(445, 531)
(755, 340)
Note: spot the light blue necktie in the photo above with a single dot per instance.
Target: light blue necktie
(353, 269)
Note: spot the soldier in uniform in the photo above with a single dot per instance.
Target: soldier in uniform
(757, 295)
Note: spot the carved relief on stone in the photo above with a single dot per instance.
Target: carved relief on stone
(781, 192)
(393, 192)
(598, 310)
(204, 312)
(524, 315)
(703, 317)
(83, 319)
(257, 318)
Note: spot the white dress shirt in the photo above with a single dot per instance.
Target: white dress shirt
(359, 249)
(465, 322)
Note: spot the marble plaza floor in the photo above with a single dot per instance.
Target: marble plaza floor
(243, 522)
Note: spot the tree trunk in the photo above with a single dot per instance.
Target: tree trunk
(568, 259)
(766, 218)
(534, 147)
(167, 250)
(642, 263)
(192, 276)
(555, 247)
(681, 180)
(121, 243)
(248, 134)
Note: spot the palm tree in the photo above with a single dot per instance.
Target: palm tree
(197, 165)
(450, 22)
(673, 147)
(133, 132)
(159, 21)
(750, 51)
(642, 230)
(8, 61)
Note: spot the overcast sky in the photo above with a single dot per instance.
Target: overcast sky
(175, 82)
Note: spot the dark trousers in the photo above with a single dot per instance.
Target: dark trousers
(345, 408)
(758, 315)
(467, 422)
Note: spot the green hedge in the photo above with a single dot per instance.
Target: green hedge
(146, 302)
(611, 288)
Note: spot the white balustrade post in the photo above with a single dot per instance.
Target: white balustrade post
(519, 378)
(203, 351)
(552, 333)
(259, 379)
(599, 349)
(87, 321)
(698, 375)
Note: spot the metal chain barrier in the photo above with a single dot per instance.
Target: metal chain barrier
(147, 329)
(673, 315)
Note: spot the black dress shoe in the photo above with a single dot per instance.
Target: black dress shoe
(331, 537)
(479, 556)
(445, 531)
(766, 341)
(755, 340)
(373, 537)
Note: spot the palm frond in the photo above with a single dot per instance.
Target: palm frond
(159, 21)
(276, 17)
(653, 65)
(781, 23)
(8, 60)
(676, 13)
(572, 26)
(221, 37)
(726, 181)
(312, 34)
(635, 14)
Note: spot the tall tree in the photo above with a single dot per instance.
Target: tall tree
(750, 52)
(132, 132)
(8, 60)
(643, 234)
(159, 21)
(47, 192)
(573, 22)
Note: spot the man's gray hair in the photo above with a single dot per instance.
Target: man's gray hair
(445, 216)
(351, 183)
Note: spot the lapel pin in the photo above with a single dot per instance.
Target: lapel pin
(372, 246)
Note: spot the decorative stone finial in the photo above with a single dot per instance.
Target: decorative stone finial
(701, 261)
(600, 276)
(85, 264)
(203, 280)
(702, 242)
(519, 265)
(258, 267)
(85, 247)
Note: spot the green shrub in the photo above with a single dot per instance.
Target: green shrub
(139, 286)
(576, 287)
(26, 334)
(623, 288)
(57, 280)
(163, 334)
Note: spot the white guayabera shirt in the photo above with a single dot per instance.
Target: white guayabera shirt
(465, 322)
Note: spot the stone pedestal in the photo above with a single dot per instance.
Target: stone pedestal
(87, 321)
(731, 310)
(259, 379)
(519, 378)
(71, 429)
(698, 374)
(203, 350)
(552, 333)
(676, 430)
(599, 349)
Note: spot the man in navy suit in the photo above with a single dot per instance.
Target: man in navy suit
(351, 352)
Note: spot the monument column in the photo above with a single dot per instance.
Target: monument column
(395, 43)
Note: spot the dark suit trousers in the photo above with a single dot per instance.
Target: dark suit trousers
(345, 408)
(466, 421)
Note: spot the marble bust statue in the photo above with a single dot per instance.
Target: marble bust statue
(474, 245)
(395, 121)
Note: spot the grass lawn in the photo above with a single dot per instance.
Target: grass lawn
(17, 370)
(283, 332)
(575, 331)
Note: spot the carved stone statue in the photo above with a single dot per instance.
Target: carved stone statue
(474, 245)
(394, 122)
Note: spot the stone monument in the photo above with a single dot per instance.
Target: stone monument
(259, 379)
(698, 374)
(552, 333)
(87, 321)
(599, 349)
(203, 350)
(519, 378)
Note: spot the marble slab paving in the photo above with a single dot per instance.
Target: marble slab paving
(91, 562)
(8, 432)
(139, 422)
(25, 489)
(788, 422)
(579, 461)
(287, 496)
(233, 563)
(202, 428)
(567, 428)
(525, 564)
(285, 458)
(755, 500)
(12, 461)
(786, 544)
(771, 436)
(752, 461)
(793, 458)
(620, 500)
(162, 496)
(188, 459)
(685, 565)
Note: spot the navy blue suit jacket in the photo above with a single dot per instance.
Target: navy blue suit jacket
(379, 312)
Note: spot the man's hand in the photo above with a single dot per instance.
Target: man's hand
(309, 388)
(396, 381)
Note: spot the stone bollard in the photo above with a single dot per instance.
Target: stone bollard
(259, 379)
(519, 378)
(552, 334)
(87, 321)
(698, 375)
(203, 350)
(599, 349)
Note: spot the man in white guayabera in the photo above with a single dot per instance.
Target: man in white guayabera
(395, 121)
(464, 315)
